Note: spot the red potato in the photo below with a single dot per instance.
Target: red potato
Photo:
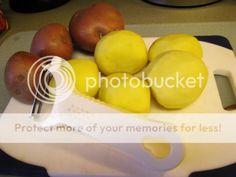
(16, 72)
(52, 39)
(87, 26)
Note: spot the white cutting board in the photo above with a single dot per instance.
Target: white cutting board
(61, 159)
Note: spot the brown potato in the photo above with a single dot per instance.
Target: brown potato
(52, 39)
(87, 26)
(16, 72)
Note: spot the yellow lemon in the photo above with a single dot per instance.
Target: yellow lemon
(183, 42)
(126, 92)
(178, 78)
(121, 51)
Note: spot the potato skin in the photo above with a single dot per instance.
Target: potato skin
(88, 25)
(15, 77)
(52, 39)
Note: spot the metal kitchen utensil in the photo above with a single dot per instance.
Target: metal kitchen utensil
(37, 104)
(45, 75)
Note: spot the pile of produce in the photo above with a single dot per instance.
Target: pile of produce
(173, 61)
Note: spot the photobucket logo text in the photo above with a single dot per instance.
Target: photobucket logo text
(175, 81)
